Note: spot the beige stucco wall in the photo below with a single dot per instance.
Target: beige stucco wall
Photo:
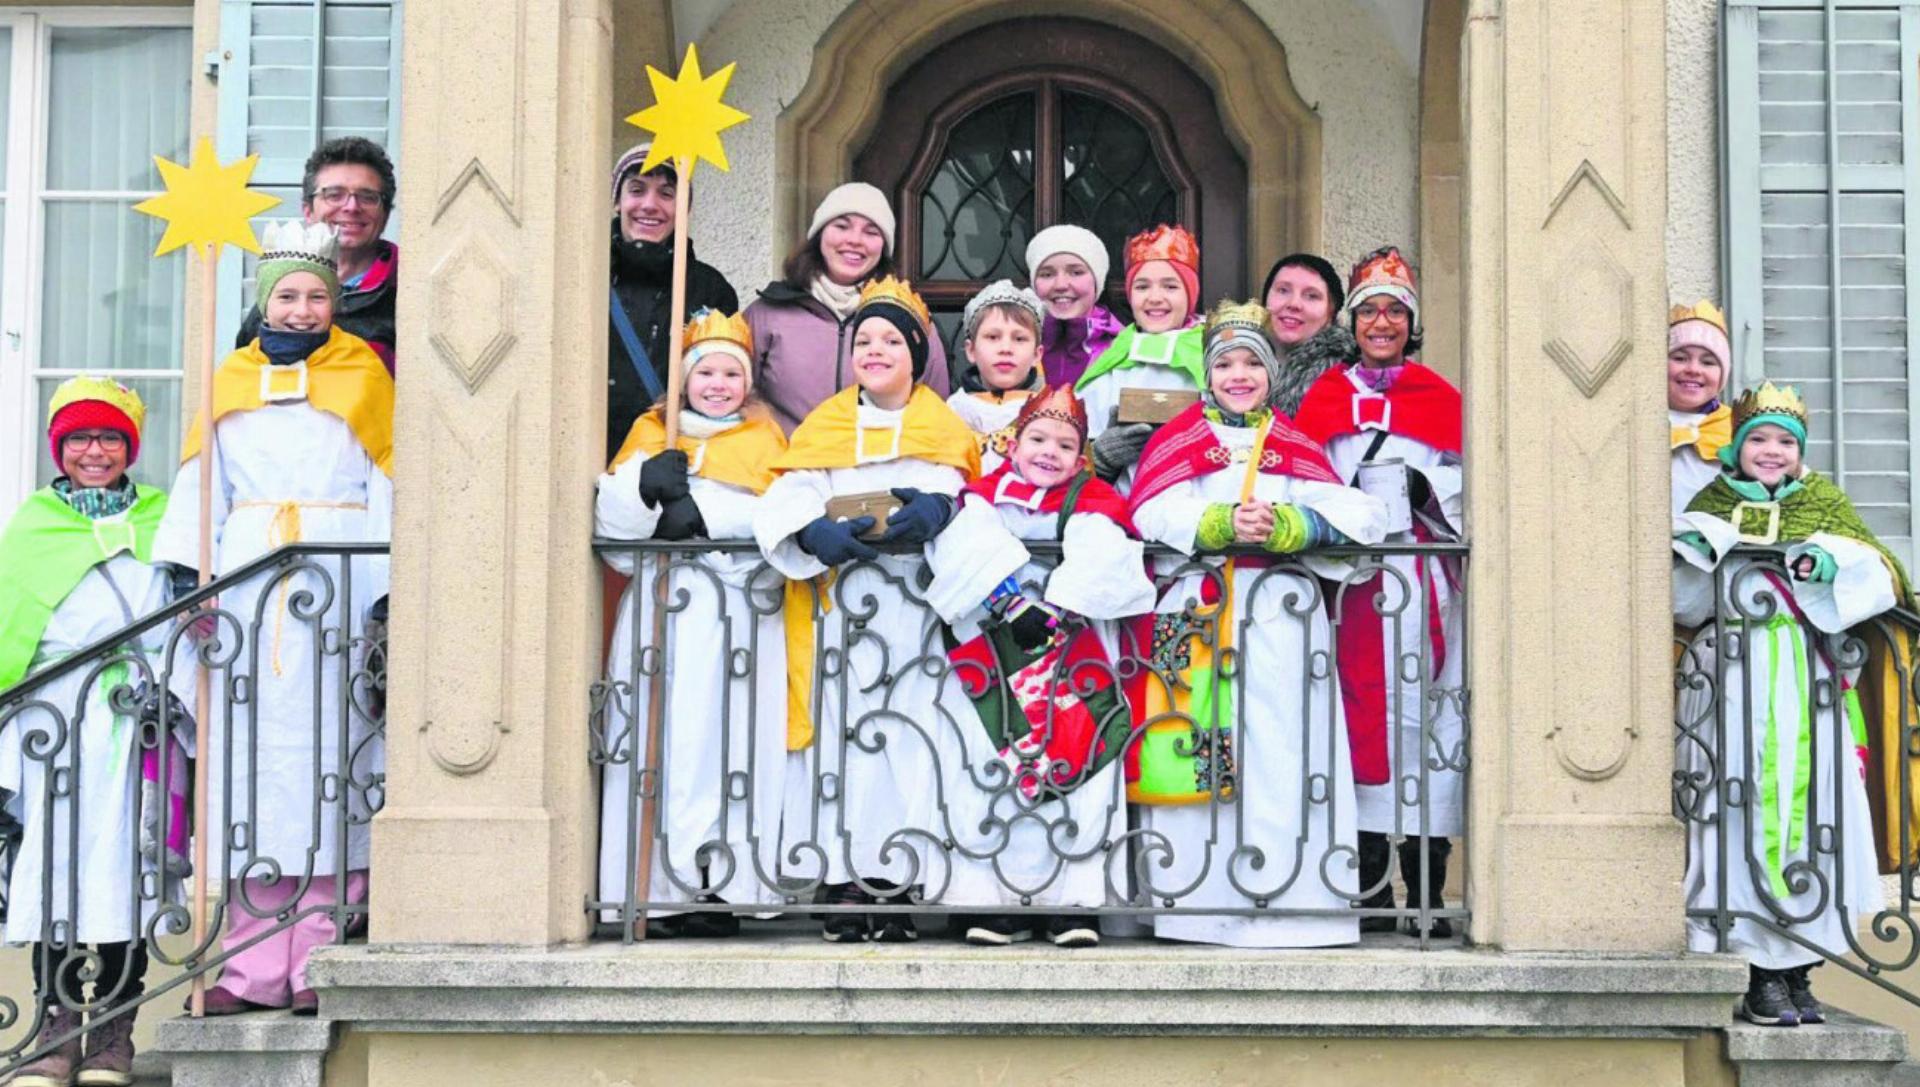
(400, 1060)
(1693, 149)
(1344, 61)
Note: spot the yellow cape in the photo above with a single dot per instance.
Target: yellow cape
(831, 436)
(343, 378)
(1709, 437)
(742, 456)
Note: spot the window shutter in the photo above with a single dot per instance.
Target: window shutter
(1822, 118)
(295, 73)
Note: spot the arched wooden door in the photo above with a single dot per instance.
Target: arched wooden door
(1024, 123)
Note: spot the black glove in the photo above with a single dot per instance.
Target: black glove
(181, 580)
(1418, 489)
(681, 520)
(1118, 447)
(663, 478)
(920, 517)
(837, 542)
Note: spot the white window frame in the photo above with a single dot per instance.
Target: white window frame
(21, 282)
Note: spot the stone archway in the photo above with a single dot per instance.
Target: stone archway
(872, 41)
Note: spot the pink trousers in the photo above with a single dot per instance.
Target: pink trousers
(275, 968)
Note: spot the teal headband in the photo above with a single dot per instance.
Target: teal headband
(1730, 453)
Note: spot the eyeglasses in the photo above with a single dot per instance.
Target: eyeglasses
(1394, 312)
(111, 441)
(339, 195)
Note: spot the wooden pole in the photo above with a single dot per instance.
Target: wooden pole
(202, 692)
(656, 687)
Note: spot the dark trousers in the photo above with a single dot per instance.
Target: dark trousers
(122, 975)
(1375, 853)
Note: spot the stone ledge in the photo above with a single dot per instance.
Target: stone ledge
(259, 1049)
(798, 984)
(1843, 1037)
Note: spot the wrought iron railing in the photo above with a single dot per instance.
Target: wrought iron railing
(1794, 772)
(711, 806)
(300, 662)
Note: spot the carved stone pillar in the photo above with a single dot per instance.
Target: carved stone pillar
(487, 832)
(1573, 846)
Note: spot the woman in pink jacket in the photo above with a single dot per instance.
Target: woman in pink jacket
(800, 321)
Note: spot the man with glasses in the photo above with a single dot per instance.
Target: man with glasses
(349, 185)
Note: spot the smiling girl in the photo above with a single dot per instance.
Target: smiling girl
(1793, 746)
(1225, 770)
(1067, 267)
(712, 846)
(1160, 350)
(1697, 355)
(802, 322)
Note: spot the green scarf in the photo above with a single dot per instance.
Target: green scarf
(1181, 349)
(45, 551)
(1811, 504)
(1803, 507)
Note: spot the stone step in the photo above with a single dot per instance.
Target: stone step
(1905, 1074)
(1845, 1051)
(258, 1049)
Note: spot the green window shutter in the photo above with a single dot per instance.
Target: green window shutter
(295, 73)
(1822, 116)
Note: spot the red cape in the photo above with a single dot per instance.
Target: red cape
(1096, 497)
(1186, 448)
(1421, 405)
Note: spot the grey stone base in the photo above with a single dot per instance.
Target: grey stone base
(260, 1049)
(798, 984)
(1845, 1051)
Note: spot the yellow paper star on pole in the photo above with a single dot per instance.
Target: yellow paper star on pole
(687, 115)
(207, 203)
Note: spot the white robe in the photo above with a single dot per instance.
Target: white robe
(1102, 399)
(986, 417)
(285, 473)
(1691, 472)
(1294, 797)
(1053, 850)
(1847, 877)
(724, 753)
(1426, 750)
(112, 898)
(908, 780)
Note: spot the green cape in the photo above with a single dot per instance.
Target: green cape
(45, 551)
(1815, 505)
(1186, 354)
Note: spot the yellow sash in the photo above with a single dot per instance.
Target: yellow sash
(831, 436)
(1707, 437)
(343, 378)
(741, 456)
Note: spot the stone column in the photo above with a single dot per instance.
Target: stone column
(487, 832)
(1573, 846)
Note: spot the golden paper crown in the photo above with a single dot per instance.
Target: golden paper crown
(1702, 310)
(1769, 399)
(896, 292)
(86, 387)
(1163, 242)
(1384, 267)
(1250, 316)
(710, 325)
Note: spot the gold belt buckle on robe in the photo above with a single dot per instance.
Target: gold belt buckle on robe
(1772, 533)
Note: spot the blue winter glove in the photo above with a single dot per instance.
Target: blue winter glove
(920, 517)
(1696, 541)
(836, 543)
(1815, 564)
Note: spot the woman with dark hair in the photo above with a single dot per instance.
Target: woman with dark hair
(1303, 293)
(801, 321)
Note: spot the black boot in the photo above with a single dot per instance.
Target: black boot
(891, 928)
(1429, 893)
(1375, 854)
(1800, 991)
(846, 928)
(1768, 1002)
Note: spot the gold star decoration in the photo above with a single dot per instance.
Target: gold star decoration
(206, 203)
(687, 115)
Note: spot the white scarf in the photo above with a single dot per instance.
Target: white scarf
(701, 427)
(842, 301)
